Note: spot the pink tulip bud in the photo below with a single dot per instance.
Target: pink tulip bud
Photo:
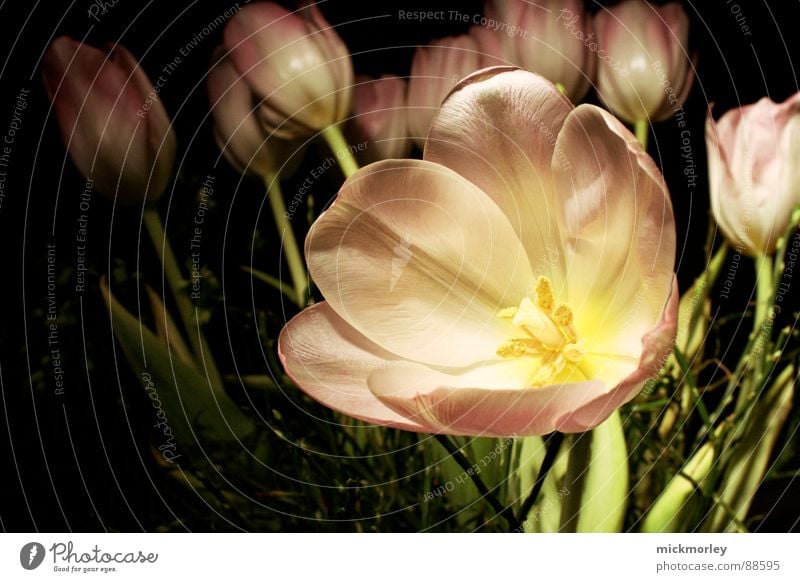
(239, 134)
(493, 51)
(753, 173)
(553, 38)
(296, 63)
(111, 119)
(644, 70)
(435, 70)
(380, 119)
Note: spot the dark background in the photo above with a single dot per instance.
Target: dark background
(78, 461)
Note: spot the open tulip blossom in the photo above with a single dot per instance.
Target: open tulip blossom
(494, 287)
(498, 320)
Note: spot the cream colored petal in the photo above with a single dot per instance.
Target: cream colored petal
(656, 347)
(420, 261)
(498, 129)
(619, 230)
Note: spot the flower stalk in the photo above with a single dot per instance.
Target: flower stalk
(341, 149)
(177, 285)
(291, 250)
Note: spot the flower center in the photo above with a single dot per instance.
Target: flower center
(547, 334)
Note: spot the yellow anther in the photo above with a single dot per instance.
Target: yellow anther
(507, 313)
(513, 348)
(562, 315)
(548, 337)
(574, 351)
(544, 295)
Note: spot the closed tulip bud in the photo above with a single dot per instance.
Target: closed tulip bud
(754, 179)
(113, 124)
(550, 37)
(238, 131)
(296, 63)
(644, 72)
(435, 70)
(493, 51)
(380, 118)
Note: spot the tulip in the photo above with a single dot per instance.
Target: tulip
(515, 281)
(644, 71)
(549, 37)
(435, 70)
(754, 179)
(296, 63)
(111, 120)
(238, 131)
(493, 51)
(380, 118)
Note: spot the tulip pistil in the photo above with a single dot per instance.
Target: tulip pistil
(549, 337)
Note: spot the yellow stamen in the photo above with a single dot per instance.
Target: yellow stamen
(549, 337)
(544, 295)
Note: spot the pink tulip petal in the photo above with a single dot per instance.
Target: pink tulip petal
(753, 181)
(464, 405)
(380, 118)
(618, 226)
(330, 361)
(498, 129)
(435, 70)
(420, 261)
(115, 128)
(295, 65)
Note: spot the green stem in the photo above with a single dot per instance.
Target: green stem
(641, 128)
(294, 258)
(764, 283)
(469, 469)
(177, 285)
(341, 149)
(553, 445)
(762, 331)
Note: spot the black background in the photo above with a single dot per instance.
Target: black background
(75, 462)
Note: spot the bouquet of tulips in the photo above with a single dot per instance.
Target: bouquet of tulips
(484, 329)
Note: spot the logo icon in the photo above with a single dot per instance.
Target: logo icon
(31, 555)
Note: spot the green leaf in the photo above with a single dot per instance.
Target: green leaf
(184, 400)
(545, 514)
(676, 504)
(597, 480)
(749, 460)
